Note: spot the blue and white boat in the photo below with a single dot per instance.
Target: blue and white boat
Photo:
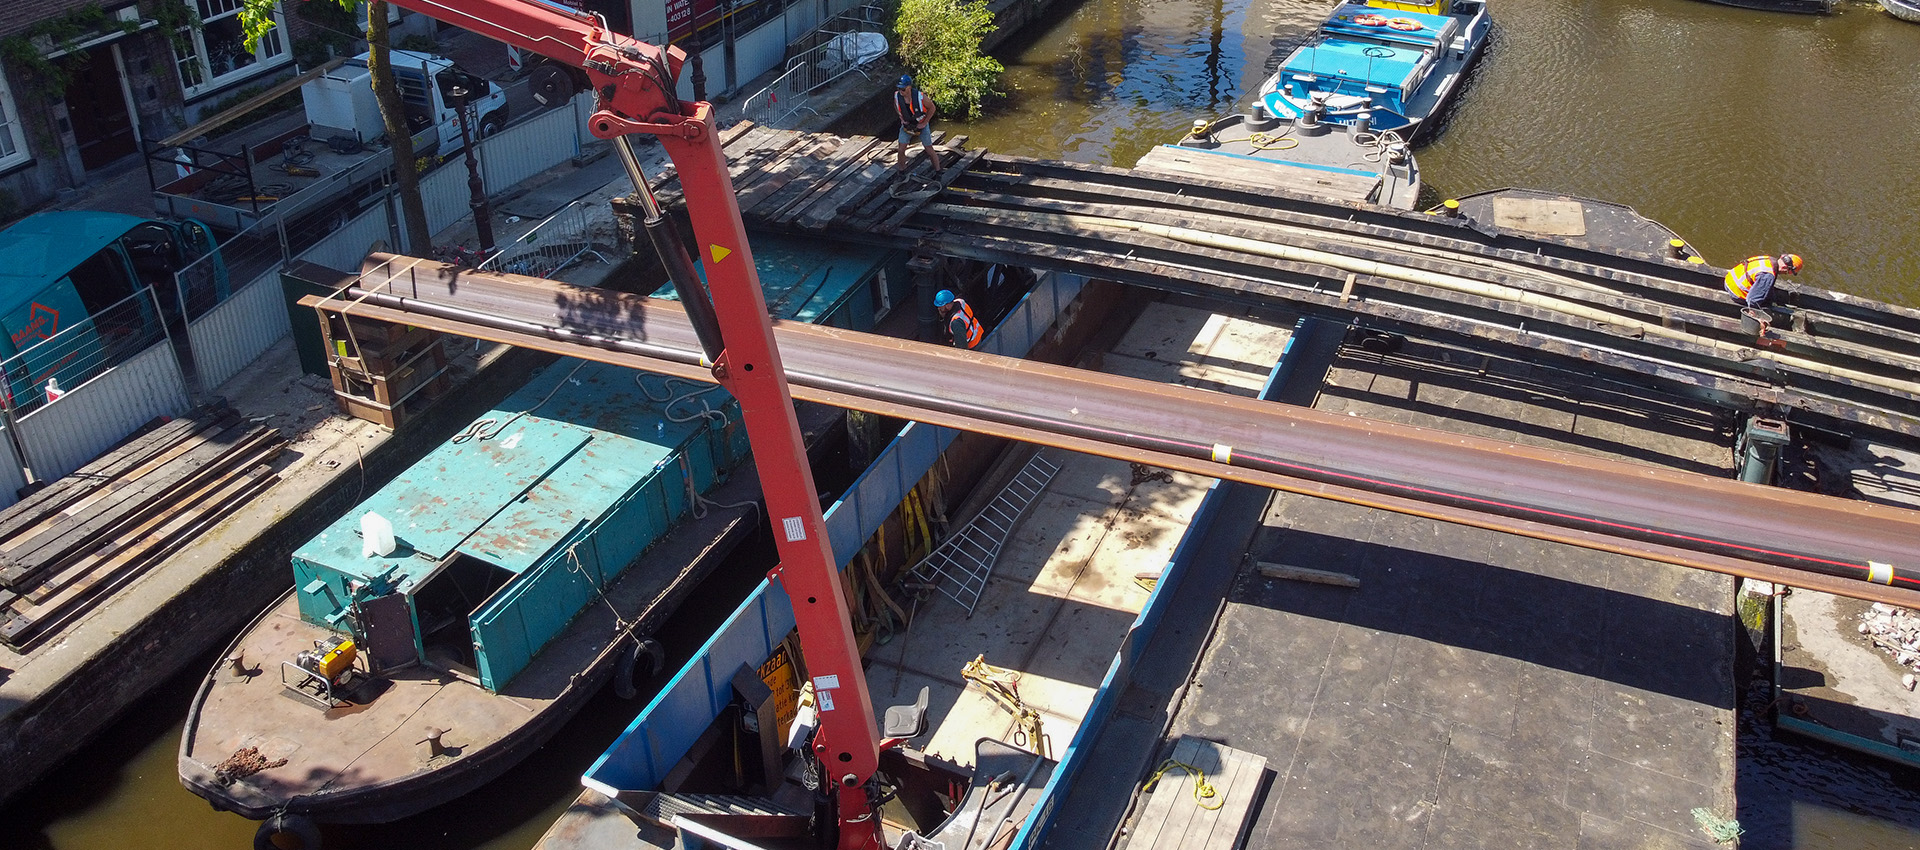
(1381, 66)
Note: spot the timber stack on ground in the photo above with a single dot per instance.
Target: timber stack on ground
(74, 543)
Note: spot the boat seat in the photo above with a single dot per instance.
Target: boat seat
(906, 721)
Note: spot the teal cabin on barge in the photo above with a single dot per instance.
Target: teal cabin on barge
(527, 557)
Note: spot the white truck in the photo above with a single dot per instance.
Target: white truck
(337, 159)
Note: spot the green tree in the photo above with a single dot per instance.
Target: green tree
(939, 40)
(256, 19)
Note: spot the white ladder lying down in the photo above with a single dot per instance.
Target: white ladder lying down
(959, 566)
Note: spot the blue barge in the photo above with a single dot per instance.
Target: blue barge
(529, 558)
(1384, 66)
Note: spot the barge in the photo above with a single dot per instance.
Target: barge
(521, 566)
(1388, 67)
(402, 672)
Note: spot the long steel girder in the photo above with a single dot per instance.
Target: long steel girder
(993, 213)
(1769, 533)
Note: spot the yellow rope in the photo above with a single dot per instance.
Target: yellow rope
(1202, 789)
(1264, 142)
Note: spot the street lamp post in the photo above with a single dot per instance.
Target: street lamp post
(476, 189)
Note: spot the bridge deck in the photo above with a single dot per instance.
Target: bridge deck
(1835, 362)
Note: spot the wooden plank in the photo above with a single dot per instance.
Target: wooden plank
(946, 179)
(53, 546)
(776, 178)
(794, 176)
(865, 174)
(843, 160)
(22, 630)
(250, 104)
(872, 206)
(1182, 163)
(766, 159)
(739, 128)
(101, 470)
(146, 533)
(1153, 817)
(26, 541)
(1223, 767)
(219, 498)
(1173, 819)
(1292, 573)
(1238, 805)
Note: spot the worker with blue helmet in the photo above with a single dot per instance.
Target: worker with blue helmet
(962, 328)
(916, 111)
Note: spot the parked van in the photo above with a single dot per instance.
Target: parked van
(73, 272)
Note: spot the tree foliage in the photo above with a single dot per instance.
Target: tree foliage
(939, 40)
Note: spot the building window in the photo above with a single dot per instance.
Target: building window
(218, 53)
(13, 139)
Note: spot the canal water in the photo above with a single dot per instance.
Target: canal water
(1744, 131)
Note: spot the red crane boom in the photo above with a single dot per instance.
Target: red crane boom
(634, 86)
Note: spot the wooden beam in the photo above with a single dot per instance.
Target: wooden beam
(1273, 570)
(250, 104)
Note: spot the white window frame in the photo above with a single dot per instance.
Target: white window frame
(272, 51)
(11, 133)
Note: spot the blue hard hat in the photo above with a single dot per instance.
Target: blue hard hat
(944, 298)
(906, 80)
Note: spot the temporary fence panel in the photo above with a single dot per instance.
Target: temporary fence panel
(446, 197)
(12, 477)
(344, 248)
(579, 229)
(532, 146)
(63, 435)
(228, 337)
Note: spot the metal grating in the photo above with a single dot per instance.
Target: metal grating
(960, 565)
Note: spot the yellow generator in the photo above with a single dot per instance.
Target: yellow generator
(317, 672)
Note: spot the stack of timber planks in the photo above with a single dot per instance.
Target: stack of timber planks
(71, 545)
(814, 182)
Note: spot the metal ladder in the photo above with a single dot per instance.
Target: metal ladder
(959, 566)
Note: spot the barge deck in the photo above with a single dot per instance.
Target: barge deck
(1473, 689)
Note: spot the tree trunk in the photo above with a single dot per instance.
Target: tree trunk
(394, 112)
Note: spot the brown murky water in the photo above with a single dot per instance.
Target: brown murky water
(1744, 131)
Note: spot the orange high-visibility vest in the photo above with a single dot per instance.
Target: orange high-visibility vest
(911, 106)
(973, 330)
(1740, 278)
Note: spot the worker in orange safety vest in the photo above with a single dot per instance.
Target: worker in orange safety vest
(916, 111)
(962, 327)
(1751, 282)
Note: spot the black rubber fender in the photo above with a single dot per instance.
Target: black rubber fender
(627, 676)
(287, 832)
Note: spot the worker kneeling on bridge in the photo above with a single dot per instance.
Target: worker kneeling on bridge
(1751, 282)
(962, 327)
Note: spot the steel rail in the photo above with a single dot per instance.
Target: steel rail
(1842, 332)
(1200, 271)
(1647, 511)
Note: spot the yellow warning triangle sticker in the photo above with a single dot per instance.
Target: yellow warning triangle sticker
(719, 253)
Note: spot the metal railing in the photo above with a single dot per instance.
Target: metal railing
(578, 230)
(845, 43)
(85, 385)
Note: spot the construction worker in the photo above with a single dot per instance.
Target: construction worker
(916, 111)
(1751, 282)
(962, 327)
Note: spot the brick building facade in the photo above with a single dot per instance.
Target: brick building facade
(130, 79)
